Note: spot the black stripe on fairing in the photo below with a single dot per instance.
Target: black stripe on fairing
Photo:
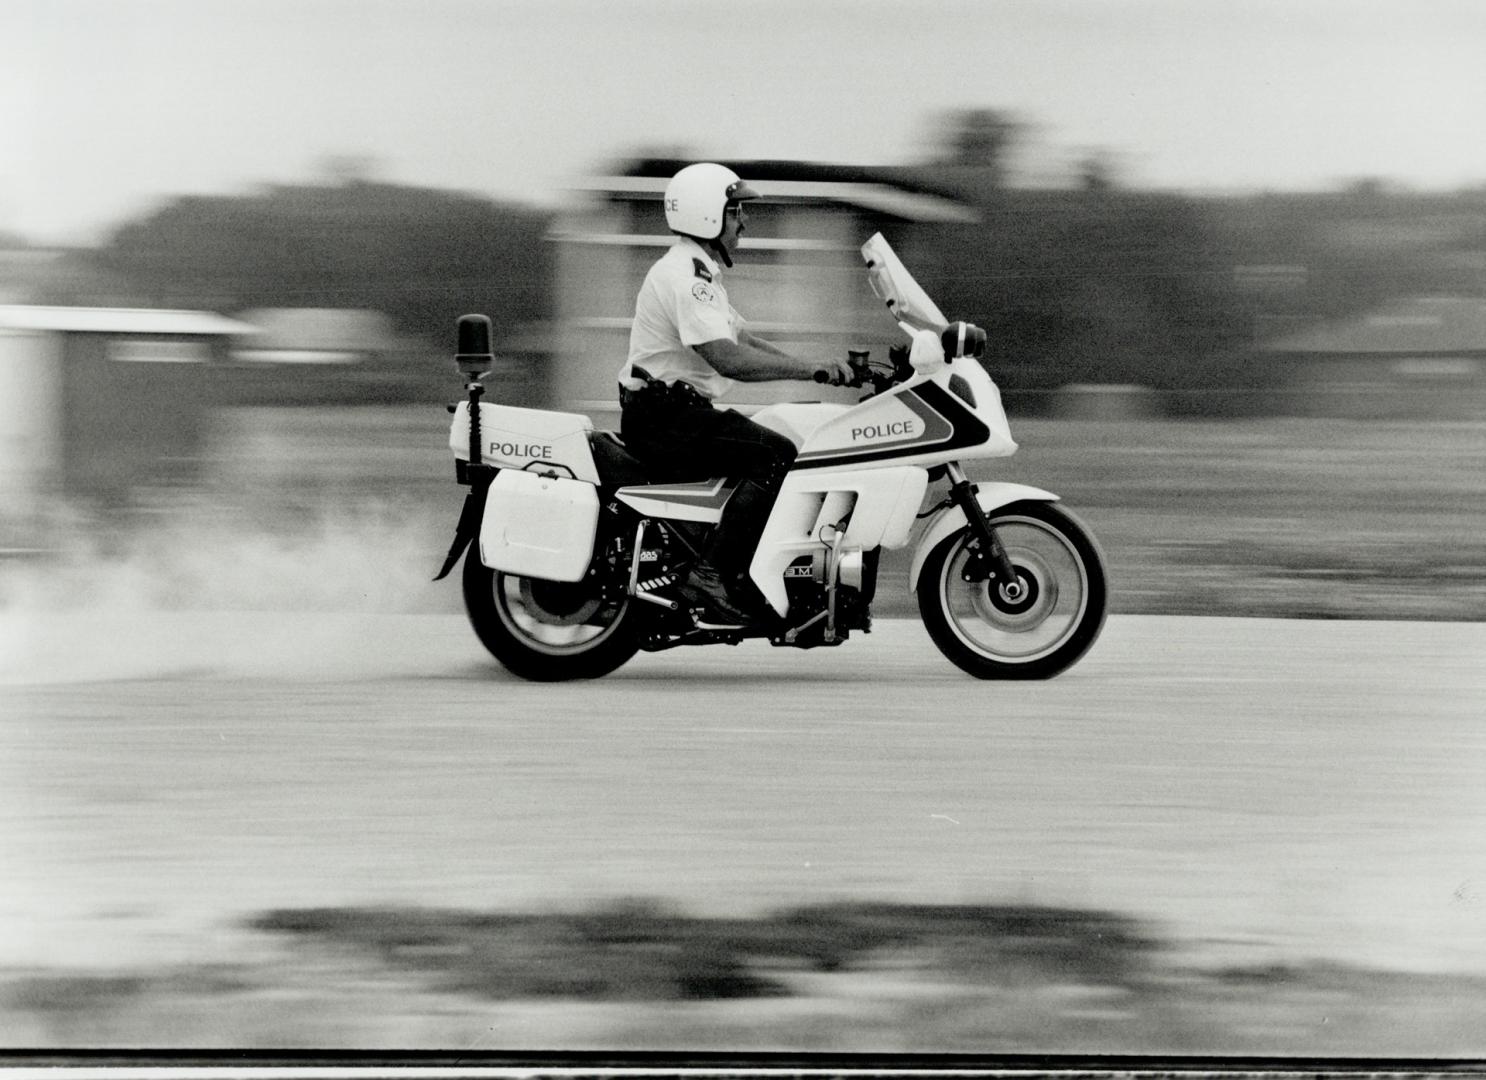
(708, 496)
(967, 430)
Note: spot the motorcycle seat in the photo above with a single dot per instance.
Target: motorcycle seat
(616, 466)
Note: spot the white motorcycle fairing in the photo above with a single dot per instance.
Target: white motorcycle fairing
(862, 469)
(953, 415)
(844, 511)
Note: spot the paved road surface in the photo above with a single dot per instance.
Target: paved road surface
(1257, 788)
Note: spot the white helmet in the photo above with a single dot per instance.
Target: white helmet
(698, 195)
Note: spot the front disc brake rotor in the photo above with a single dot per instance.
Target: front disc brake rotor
(1027, 602)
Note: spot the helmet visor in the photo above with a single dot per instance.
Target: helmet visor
(739, 190)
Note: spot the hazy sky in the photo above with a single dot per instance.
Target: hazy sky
(108, 107)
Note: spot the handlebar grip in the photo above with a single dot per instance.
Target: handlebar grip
(822, 376)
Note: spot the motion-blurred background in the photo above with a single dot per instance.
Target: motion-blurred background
(1232, 259)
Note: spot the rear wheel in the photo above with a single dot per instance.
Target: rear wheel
(546, 631)
(1033, 630)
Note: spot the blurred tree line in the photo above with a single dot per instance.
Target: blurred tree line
(1177, 292)
(1086, 283)
(1077, 287)
(420, 256)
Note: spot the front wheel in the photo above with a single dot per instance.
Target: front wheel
(1035, 630)
(546, 631)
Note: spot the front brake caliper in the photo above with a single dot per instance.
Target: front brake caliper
(987, 558)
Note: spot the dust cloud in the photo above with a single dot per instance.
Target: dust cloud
(201, 554)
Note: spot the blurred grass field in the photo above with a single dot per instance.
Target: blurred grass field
(1275, 518)
(353, 509)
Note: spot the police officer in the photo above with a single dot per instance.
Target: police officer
(688, 346)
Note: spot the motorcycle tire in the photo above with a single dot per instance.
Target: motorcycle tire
(1037, 634)
(545, 631)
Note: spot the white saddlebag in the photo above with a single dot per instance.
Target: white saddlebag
(539, 526)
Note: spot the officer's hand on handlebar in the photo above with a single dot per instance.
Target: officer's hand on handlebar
(835, 372)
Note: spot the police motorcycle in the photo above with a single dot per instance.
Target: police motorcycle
(575, 549)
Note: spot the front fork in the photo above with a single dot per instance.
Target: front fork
(987, 558)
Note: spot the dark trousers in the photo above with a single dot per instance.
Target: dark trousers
(679, 436)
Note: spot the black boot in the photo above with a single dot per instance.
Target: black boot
(704, 587)
(719, 581)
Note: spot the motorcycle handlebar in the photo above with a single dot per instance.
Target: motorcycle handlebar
(824, 378)
(861, 371)
(958, 339)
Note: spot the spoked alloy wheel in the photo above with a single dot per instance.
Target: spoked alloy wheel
(546, 631)
(1034, 627)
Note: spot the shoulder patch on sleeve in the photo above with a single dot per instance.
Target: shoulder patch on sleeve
(701, 269)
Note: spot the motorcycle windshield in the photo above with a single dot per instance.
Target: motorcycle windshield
(895, 286)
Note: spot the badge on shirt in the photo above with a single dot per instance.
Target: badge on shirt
(703, 292)
(700, 268)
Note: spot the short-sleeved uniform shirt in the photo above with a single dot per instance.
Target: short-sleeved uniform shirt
(682, 303)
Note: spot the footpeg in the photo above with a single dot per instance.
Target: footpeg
(702, 624)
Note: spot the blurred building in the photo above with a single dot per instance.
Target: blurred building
(22, 269)
(62, 277)
(315, 356)
(1419, 358)
(799, 279)
(96, 401)
(312, 336)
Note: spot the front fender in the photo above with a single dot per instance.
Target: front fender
(991, 496)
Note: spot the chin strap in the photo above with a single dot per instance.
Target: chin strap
(713, 245)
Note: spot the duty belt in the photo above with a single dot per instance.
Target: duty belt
(654, 391)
